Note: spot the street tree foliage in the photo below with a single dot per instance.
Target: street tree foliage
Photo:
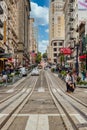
(45, 55)
(38, 58)
(61, 56)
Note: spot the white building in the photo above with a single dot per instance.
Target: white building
(56, 29)
(3, 23)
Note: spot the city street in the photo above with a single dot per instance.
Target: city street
(43, 64)
(42, 103)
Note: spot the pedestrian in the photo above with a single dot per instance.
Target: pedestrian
(72, 82)
(74, 75)
(69, 82)
(4, 76)
(83, 75)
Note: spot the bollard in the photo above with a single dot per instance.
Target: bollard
(6, 81)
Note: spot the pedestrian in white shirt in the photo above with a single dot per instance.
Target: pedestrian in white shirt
(69, 82)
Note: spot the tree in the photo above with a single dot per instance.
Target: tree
(45, 55)
(61, 58)
(38, 58)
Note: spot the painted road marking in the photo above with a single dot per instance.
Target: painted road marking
(28, 90)
(27, 115)
(59, 90)
(32, 123)
(37, 122)
(80, 118)
(54, 90)
(43, 123)
(23, 90)
(2, 115)
(10, 91)
(41, 89)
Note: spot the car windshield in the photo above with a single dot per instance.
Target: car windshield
(35, 70)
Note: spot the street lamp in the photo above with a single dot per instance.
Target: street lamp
(86, 57)
(77, 49)
(86, 49)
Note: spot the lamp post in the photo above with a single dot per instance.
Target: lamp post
(77, 49)
(86, 50)
(86, 57)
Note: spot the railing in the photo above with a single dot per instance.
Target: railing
(11, 78)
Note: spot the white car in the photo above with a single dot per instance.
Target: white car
(23, 71)
(35, 72)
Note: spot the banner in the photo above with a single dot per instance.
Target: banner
(66, 51)
(82, 4)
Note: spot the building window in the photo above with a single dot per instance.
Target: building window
(55, 49)
(60, 43)
(55, 44)
(55, 60)
(55, 54)
(59, 19)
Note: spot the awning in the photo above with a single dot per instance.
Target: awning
(5, 55)
(82, 57)
(2, 59)
(66, 51)
(11, 60)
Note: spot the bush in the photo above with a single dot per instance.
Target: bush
(63, 73)
(82, 83)
(52, 70)
(78, 79)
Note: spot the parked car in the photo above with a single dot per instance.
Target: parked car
(23, 71)
(35, 72)
(39, 66)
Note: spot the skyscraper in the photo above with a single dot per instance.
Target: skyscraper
(56, 29)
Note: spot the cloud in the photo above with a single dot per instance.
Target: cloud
(47, 30)
(41, 14)
(43, 45)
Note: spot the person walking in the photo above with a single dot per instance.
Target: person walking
(70, 82)
(83, 75)
(68, 78)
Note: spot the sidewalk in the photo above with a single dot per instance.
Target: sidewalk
(80, 86)
(15, 84)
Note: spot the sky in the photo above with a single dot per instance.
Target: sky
(40, 12)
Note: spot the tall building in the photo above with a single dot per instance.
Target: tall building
(3, 32)
(75, 18)
(71, 21)
(14, 32)
(56, 29)
(23, 7)
(33, 41)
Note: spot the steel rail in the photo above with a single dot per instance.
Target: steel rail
(15, 107)
(64, 117)
(61, 83)
(61, 97)
(22, 85)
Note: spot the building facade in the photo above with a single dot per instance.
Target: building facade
(14, 32)
(33, 47)
(3, 32)
(75, 18)
(56, 29)
(23, 31)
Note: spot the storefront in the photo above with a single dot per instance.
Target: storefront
(4, 60)
(82, 59)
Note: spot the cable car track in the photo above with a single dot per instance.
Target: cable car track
(11, 105)
(75, 111)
